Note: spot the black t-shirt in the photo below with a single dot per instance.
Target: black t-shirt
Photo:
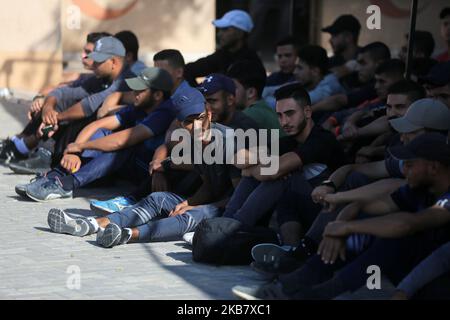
(321, 147)
(241, 121)
(414, 200)
(219, 175)
(358, 96)
(218, 62)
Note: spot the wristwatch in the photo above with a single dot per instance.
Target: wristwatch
(329, 183)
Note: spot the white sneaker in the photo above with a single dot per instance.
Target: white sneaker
(188, 237)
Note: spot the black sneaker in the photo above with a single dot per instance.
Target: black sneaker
(9, 153)
(39, 162)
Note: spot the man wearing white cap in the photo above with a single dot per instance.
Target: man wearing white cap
(233, 30)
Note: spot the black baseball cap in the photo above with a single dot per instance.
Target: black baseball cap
(431, 146)
(438, 76)
(345, 22)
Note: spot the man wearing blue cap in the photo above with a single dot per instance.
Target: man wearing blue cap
(98, 152)
(233, 30)
(165, 216)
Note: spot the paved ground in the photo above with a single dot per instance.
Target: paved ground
(38, 264)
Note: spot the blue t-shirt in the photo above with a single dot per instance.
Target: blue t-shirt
(414, 200)
(158, 120)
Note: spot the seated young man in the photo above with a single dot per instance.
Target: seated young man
(166, 216)
(249, 78)
(286, 58)
(369, 58)
(307, 155)
(313, 74)
(411, 223)
(21, 145)
(345, 123)
(220, 93)
(98, 151)
(67, 110)
(355, 183)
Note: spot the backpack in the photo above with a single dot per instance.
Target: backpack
(226, 241)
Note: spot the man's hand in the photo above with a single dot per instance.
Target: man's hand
(71, 163)
(349, 132)
(50, 116)
(320, 192)
(336, 229)
(40, 132)
(331, 248)
(180, 209)
(159, 182)
(155, 166)
(73, 148)
(35, 108)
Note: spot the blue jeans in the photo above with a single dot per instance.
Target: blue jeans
(131, 163)
(151, 217)
(252, 200)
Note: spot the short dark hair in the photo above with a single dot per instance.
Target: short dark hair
(130, 42)
(288, 41)
(315, 56)
(294, 91)
(424, 42)
(174, 57)
(93, 37)
(412, 89)
(392, 67)
(444, 13)
(378, 51)
(249, 73)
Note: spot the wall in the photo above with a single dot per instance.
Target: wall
(30, 50)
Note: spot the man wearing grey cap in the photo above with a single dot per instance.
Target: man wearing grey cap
(98, 151)
(71, 104)
(233, 30)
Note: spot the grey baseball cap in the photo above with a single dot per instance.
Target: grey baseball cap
(151, 78)
(106, 48)
(423, 114)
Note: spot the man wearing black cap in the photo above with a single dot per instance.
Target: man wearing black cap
(344, 39)
(414, 221)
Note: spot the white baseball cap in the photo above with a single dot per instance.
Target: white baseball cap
(235, 18)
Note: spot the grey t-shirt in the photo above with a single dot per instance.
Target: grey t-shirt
(92, 92)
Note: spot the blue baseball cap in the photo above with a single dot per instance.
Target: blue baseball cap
(216, 82)
(189, 103)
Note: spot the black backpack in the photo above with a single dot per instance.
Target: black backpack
(225, 241)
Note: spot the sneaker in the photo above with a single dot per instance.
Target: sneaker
(189, 237)
(21, 189)
(269, 291)
(113, 205)
(113, 235)
(49, 190)
(9, 153)
(39, 162)
(273, 259)
(62, 222)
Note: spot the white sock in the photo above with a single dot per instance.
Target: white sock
(20, 145)
(94, 223)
